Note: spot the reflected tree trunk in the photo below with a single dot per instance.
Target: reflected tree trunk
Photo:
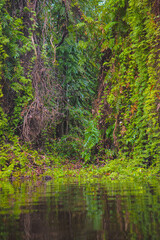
(27, 227)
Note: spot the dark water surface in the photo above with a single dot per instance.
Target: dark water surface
(65, 211)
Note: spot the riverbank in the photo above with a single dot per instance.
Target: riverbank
(21, 162)
(51, 167)
(110, 171)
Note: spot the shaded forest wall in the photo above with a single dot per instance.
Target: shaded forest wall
(57, 57)
(129, 101)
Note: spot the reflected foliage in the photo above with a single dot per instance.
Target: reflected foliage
(35, 211)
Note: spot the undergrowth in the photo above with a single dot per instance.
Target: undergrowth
(21, 162)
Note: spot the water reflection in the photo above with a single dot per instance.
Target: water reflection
(70, 211)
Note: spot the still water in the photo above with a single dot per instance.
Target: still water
(66, 211)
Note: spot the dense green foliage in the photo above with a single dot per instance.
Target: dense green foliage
(79, 79)
(132, 81)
